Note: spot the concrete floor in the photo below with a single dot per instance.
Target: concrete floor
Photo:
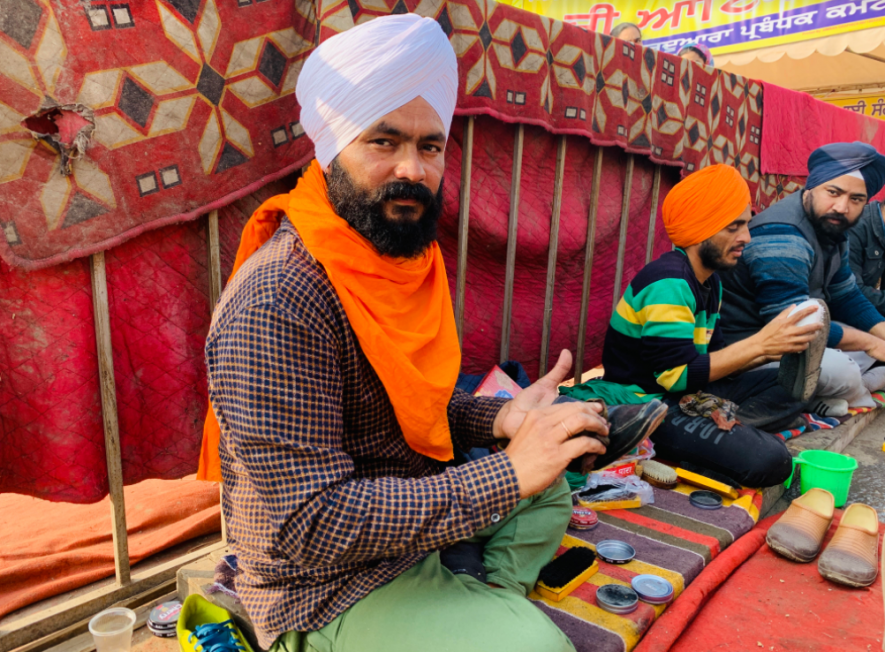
(868, 481)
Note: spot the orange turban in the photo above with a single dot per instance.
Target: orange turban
(704, 203)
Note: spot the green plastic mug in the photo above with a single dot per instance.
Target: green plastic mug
(825, 470)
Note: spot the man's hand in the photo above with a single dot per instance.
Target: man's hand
(538, 395)
(871, 343)
(543, 446)
(783, 334)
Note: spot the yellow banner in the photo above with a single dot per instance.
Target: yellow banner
(722, 25)
(870, 105)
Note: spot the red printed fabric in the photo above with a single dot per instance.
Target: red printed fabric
(192, 102)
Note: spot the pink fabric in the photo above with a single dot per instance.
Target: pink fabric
(795, 124)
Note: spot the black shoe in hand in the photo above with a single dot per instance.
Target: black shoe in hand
(628, 426)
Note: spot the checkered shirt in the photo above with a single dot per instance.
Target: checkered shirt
(323, 498)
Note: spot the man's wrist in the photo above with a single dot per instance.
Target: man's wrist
(498, 423)
(870, 341)
(758, 351)
(753, 348)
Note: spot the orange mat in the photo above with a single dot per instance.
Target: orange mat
(49, 548)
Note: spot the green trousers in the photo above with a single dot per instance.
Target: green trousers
(428, 609)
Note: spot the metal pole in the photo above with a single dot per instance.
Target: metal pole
(214, 261)
(589, 248)
(653, 216)
(109, 416)
(463, 226)
(214, 295)
(510, 268)
(551, 254)
(622, 238)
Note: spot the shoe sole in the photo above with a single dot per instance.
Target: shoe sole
(789, 554)
(842, 579)
(793, 372)
(657, 418)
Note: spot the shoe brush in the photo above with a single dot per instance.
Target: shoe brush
(659, 475)
(707, 479)
(566, 573)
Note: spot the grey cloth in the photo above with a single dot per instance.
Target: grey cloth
(741, 316)
(866, 254)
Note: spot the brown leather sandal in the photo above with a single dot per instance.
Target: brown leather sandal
(799, 533)
(852, 556)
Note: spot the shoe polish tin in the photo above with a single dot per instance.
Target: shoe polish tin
(615, 552)
(583, 519)
(652, 589)
(617, 599)
(705, 499)
(164, 617)
(162, 633)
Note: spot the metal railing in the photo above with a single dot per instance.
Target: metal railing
(553, 247)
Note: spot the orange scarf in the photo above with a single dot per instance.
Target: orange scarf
(400, 311)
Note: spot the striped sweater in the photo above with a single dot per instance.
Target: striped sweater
(664, 328)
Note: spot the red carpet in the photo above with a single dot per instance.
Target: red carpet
(768, 603)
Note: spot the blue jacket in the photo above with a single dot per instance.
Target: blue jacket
(867, 254)
(786, 263)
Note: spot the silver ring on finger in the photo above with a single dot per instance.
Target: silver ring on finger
(567, 431)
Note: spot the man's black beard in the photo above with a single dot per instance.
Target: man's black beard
(712, 257)
(403, 237)
(824, 230)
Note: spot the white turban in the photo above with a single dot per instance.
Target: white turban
(356, 77)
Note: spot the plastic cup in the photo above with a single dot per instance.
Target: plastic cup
(112, 630)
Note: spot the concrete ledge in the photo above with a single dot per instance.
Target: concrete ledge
(835, 440)
(770, 497)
